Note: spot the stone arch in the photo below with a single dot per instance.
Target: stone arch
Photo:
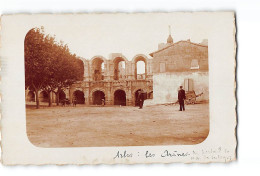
(140, 57)
(62, 95)
(31, 96)
(119, 88)
(83, 60)
(121, 56)
(97, 89)
(120, 97)
(137, 58)
(80, 96)
(99, 57)
(120, 73)
(97, 72)
(94, 90)
(43, 96)
(98, 97)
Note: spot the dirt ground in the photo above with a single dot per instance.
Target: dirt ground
(84, 126)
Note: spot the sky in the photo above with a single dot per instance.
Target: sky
(130, 34)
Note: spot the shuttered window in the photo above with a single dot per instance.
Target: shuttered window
(188, 85)
(194, 64)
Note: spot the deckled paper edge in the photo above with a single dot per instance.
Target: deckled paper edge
(151, 162)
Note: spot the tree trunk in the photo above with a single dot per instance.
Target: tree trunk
(37, 99)
(50, 98)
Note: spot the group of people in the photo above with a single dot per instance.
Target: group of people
(66, 101)
(181, 98)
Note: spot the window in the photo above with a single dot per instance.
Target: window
(162, 67)
(194, 64)
(98, 69)
(119, 68)
(188, 85)
(140, 70)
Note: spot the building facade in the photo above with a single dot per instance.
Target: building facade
(183, 63)
(115, 80)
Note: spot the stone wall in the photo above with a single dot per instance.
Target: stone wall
(179, 56)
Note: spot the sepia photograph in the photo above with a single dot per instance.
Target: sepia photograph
(108, 88)
(108, 84)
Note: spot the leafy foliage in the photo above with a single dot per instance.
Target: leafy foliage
(49, 65)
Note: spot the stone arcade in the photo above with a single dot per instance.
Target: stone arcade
(115, 80)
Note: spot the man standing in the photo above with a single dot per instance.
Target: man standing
(181, 98)
(74, 101)
(141, 98)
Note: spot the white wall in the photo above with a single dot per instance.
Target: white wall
(166, 86)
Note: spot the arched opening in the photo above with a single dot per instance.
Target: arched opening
(98, 96)
(119, 68)
(31, 96)
(120, 98)
(79, 95)
(62, 96)
(136, 97)
(98, 66)
(140, 68)
(43, 97)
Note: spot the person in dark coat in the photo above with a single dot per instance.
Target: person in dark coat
(74, 101)
(181, 98)
(141, 98)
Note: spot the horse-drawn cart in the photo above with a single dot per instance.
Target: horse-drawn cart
(191, 97)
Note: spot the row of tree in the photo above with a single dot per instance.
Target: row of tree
(49, 65)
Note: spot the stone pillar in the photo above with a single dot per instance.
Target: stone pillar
(86, 95)
(87, 74)
(133, 71)
(111, 70)
(128, 70)
(90, 101)
(26, 94)
(109, 94)
(128, 96)
(53, 97)
(71, 91)
(67, 93)
(106, 70)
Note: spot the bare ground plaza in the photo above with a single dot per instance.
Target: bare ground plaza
(95, 126)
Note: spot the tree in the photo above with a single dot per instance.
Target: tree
(69, 69)
(36, 63)
(49, 65)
